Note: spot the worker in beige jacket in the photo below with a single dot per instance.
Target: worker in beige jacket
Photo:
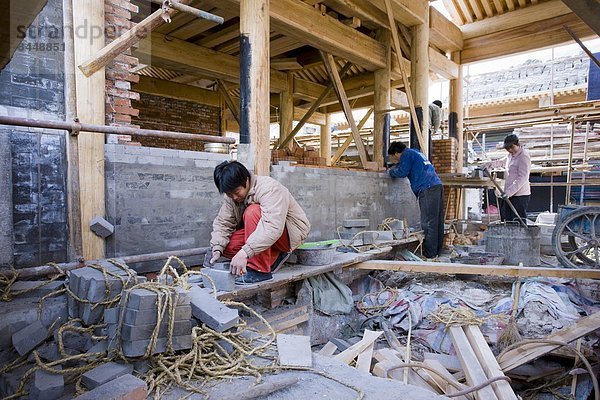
(258, 225)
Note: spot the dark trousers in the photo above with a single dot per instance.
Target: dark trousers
(519, 202)
(431, 203)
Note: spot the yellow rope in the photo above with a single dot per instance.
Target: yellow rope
(458, 316)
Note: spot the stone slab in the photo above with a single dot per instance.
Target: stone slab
(146, 317)
(126, 387)
(356, 223)
(211, 311)
(294, 350)
(138, 348)
(47, 386)
(143, 299)
(104, 373)
(29, 337)
(223, 279)
(144, 332)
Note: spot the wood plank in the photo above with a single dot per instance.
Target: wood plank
(341, 94)
(490, 270)
(224, 35)
(177, 91)
(369, 337)
(526, 353)
(363, 362)
(233, 106)
(465, 11)
(510, 4)
(442, 383)
(588, 11)
(406, 12)
(487, 7)
(528, 15)
(488, 362)
(454, 14)
(476, 9)
(441, 65)
(443, 33)
(199, 25)
(382, 99)
(90, 110)
(449, 362)
(328, 349)
(470, 364)
(342, 149)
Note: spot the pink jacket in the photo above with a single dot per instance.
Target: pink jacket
(518, 167)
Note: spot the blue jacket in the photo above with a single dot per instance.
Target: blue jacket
(419, 171)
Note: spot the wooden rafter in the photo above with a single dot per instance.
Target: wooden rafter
(454, 14)
(233, 107)
(510, 4)
(487, 7)
(476, 9)
(224, 35)
(499, 7)
(465, 10)
(340, 152)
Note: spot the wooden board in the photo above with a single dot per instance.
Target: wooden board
(473, 370)
(353, 351)
(447, 376)
(489, 270)
(328, 349)
(363, 363)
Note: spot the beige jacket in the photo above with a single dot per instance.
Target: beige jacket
(278, 210)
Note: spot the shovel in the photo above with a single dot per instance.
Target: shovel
(510, 204)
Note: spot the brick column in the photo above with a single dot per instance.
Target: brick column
(443, 158)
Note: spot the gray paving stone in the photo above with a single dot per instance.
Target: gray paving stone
(223, 280)
(143, 332)
(138, 348)
(355, 223)
(8, 330)
(29, 337)
(89, 314)
(47, 386)
(294, 350)
(39, 292)
(111, 315)
(144, 299)
(146, 317)
(104, 373)
(101, 227)
(211, 311)
(124, 387)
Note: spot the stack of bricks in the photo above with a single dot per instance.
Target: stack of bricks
(119, 109)
(90, 285)
(443, 158)
(140, 319)
(351, 227)
(306, 156)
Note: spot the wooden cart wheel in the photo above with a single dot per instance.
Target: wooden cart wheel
(581, 228)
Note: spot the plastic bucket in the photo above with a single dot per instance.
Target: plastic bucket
(321, 256)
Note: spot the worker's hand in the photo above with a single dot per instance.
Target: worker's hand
(216, 254)
(238, 263)
(504, 196)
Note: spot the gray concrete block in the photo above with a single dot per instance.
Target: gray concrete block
(294, 350)
(89, 314)
(101, 227)
(111, 315)
(355, 223)
(98, 287)
(8, 330)
(138, 348)
(39, 292)
(49, 352)
(99, 347)
(223, 279)
(145, 317)
(47, 386)
(143, 299)
(124, 387)
(211, 311)
(143, 332)
(104, 373)
(29, 337)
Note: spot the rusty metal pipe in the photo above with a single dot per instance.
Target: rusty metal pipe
(76, 127)
(47, 269)
(190, 10)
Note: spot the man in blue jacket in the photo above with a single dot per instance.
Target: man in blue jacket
(428, 188)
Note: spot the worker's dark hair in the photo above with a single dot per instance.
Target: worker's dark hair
(229, 175)
(511, 139)
(438, 103)
(396, 147)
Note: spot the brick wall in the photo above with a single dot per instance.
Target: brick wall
(443, 158)
(119, 96)
(175, 115)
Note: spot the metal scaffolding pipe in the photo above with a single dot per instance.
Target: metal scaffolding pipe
(48, 269)
(76, 127)
(191, 10)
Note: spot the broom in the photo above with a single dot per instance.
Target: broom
(511, 333)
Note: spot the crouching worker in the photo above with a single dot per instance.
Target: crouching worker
(258, 225)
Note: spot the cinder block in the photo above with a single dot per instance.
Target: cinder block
(143, 299)
(47, 386)
(211, 311)
(143, 332)
(355, 223)
(146, 317)
(223, 279)
(294, 350)
(126, 387)
(104, 373)
(29, 337)
(101, 227)
(138, 348)
(111, 315)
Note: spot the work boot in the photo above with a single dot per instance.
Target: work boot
(252, 276)
(281, 259)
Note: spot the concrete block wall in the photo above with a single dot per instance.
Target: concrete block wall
(161, 113)
(159, 199)
(328, 196)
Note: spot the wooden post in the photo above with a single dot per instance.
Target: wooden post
(456, 105)
(419, 66)
(74, 205)
(90, 108)
(254, 84)
(286, 110)
(382, 97)
(326, 140)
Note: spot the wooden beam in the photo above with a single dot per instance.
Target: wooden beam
(192, 59)
(177, 91)
(342, 149)
(254, 84)
(286, 110)
(325, 148)
(443, 33)
(341, 93)
(456, 105)
(224, 35)
(476, 9)
(528, 15)
(406, 12)
(441, 65)
(454, 14)
(284, 64)
(588, 11)
(382, 97)
(491, 270)
(407, 88)
(90, 110)
(362, 9)
(419, 68)
(465, 11)
(234, 107)
(533, 36)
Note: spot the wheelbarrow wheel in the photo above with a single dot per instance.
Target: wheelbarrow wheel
(581, 228)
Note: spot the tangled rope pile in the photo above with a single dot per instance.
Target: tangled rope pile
(459, 316)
